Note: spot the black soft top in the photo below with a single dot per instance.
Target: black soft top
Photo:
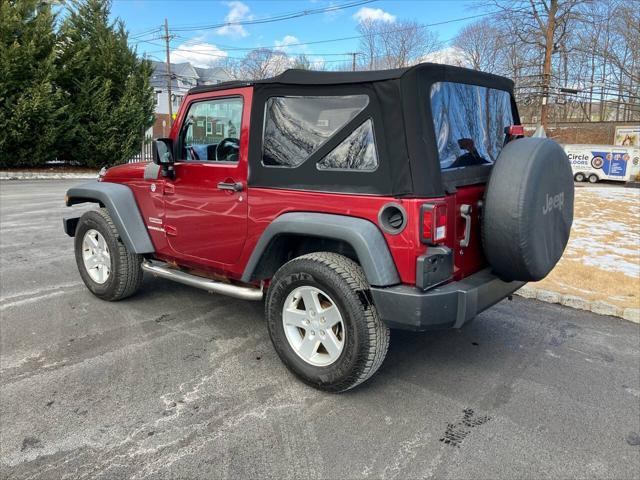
(295, 76)
(401, 112)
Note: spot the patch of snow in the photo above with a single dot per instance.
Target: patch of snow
(603, 241)
(616, 193)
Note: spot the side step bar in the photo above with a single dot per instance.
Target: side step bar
(164, 271)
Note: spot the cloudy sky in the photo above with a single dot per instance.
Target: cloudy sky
(204, 31)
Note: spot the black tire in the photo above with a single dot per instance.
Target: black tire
(528, 209)
(125, 275)
(579, 177)
(593, 178)
(367, 338)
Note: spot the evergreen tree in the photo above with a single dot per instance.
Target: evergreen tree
(107, 86)
(30, 104)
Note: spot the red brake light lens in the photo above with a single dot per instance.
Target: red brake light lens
(515, 130)
(434, 223)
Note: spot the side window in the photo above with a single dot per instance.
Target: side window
(211, 131)
(469, 122)
(295, 127)
(356, 152)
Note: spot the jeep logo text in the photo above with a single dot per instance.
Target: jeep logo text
(557, 201)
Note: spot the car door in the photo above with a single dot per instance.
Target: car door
(206, 203)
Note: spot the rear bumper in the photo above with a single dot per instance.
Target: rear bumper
(447, 306)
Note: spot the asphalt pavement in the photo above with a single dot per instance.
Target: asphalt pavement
(179, 383)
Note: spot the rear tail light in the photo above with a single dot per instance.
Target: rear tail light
(515, 131)
(434, 223)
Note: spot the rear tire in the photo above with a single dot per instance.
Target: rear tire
(593, 178)
(118, 274)
(579, 177)
(337, 288)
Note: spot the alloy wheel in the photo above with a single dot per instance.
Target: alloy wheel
(313, 326)
(96, 256)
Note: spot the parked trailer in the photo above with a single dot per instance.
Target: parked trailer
(593, 163)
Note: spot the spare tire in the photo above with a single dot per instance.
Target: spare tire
(528, 209)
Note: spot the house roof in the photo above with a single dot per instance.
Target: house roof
(213, 74)
(187, 71)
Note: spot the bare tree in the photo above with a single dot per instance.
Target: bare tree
(604, 60)
(395, 45)
(404, 43)
(481, 43)
(302, 62)
(261, 63)
(369, 43)
(544, 24)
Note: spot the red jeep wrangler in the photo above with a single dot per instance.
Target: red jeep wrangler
(355, 202)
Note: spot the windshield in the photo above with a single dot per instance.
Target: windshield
(469, 123)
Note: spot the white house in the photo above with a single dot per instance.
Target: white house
(183, 77)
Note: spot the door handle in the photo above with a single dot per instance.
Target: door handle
(232, 186)
(465, 211)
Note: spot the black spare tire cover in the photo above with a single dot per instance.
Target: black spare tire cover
(528, 209)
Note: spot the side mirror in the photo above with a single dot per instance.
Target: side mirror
(162, 151)
(163, 156)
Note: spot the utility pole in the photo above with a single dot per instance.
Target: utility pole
(142, 156)
(353, 61)
(166, 42)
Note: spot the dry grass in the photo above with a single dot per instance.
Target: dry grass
(602, 260)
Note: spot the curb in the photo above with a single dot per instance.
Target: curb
(45, 176)
(579, 303)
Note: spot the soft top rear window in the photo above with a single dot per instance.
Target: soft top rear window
(469, 123)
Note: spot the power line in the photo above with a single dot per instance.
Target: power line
(247, 49)
(145, 33)
(357, 37)
(354, 37)
(277, 18)
(258, 21)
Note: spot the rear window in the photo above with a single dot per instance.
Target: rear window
(295, 127)
(469, 123)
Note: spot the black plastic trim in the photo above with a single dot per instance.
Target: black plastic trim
(70, 224)
(387, 228)
(434, 267)
(365, 238)
(448, 306)
(122, 206)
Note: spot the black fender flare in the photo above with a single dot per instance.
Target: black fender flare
(364, 236)
(119, 201)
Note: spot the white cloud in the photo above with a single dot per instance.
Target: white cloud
(374, 14)
(447, 56)
(199, 54)
(283, 44)
(238, 12)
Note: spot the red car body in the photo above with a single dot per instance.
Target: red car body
(194, 224)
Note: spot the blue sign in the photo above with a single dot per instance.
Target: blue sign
(612, 164)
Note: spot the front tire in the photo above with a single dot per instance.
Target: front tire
(579, 177)
(593, 178)
(322, 322)
(108, 269)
